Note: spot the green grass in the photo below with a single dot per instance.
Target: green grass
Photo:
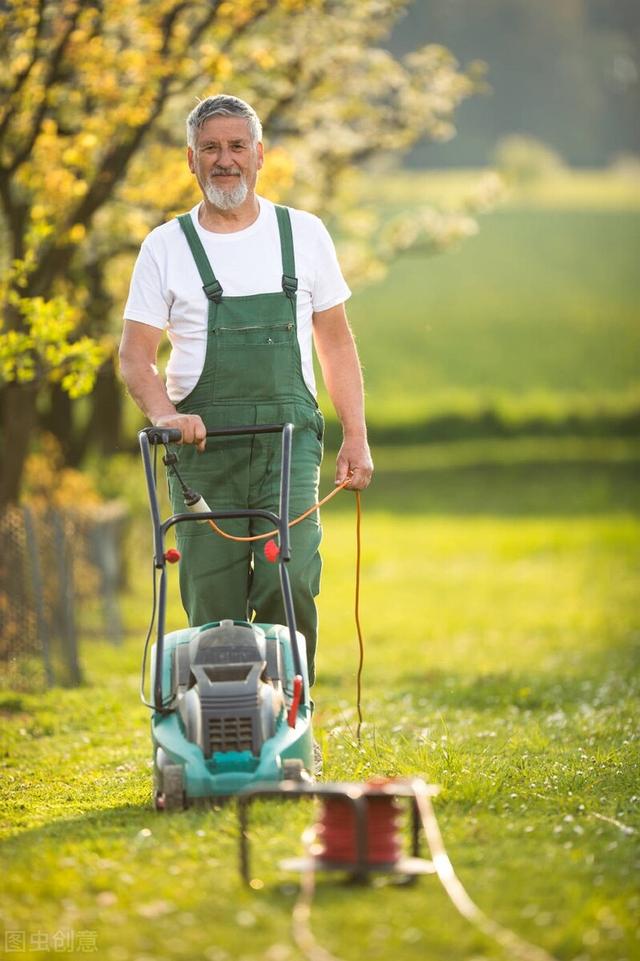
(538, 313)
(501, 622)
(532, 325)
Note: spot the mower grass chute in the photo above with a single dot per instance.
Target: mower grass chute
(231, 705)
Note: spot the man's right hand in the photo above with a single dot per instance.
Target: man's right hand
(191, 427)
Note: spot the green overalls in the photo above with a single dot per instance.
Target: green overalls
(252, 374)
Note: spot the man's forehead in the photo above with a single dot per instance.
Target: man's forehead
(224, 128)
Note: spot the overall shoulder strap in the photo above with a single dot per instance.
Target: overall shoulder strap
(210, 285)
(289, 280)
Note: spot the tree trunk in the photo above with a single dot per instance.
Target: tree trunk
(102, 431)
(58, 420)
(18, 423)
(104, 428)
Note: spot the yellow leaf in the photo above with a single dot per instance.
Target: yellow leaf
(77, 233)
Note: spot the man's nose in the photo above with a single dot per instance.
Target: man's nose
(225, 157)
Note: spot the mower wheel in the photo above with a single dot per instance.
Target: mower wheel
(171, 797)
(293, 769)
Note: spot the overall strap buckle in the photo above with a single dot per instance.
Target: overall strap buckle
(290, 286)
(213, 290)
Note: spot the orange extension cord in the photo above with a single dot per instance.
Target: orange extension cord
(307, 513)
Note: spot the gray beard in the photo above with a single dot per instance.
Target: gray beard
(226, 199)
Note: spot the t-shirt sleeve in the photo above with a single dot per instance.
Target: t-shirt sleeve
(147, 302)
(329, 288)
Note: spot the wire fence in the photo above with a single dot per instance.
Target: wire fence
(58, 571)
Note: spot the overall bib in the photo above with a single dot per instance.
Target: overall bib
(252, 374)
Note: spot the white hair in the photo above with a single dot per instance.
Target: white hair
(222, 105)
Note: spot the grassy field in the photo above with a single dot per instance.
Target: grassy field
(561, 189)
(536, 315)
(501, 623)
(540, 310)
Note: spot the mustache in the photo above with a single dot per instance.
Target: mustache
(225, 172)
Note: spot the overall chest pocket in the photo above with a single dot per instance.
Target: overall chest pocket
(254, 362)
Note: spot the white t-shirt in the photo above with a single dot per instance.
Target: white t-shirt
(166, 288)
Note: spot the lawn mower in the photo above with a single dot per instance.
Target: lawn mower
(230, 701)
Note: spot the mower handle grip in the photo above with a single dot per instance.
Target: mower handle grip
(162, 435)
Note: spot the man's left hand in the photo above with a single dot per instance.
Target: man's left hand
(354, 461)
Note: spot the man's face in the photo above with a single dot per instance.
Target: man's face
(225, 161)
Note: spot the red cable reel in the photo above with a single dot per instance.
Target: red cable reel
(358, 829)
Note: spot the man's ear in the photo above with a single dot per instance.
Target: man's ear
(190, 159)
(260, 156)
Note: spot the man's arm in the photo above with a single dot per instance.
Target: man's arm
(138, 352)
(341, 372)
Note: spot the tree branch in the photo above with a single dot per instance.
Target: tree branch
(23, 75)
(112, 168)
(52, 74)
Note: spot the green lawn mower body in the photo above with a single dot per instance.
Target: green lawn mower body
(233, 685)
(231, 705)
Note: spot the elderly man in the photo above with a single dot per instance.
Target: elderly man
(242, 286)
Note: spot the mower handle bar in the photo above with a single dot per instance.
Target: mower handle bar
(169, 435)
